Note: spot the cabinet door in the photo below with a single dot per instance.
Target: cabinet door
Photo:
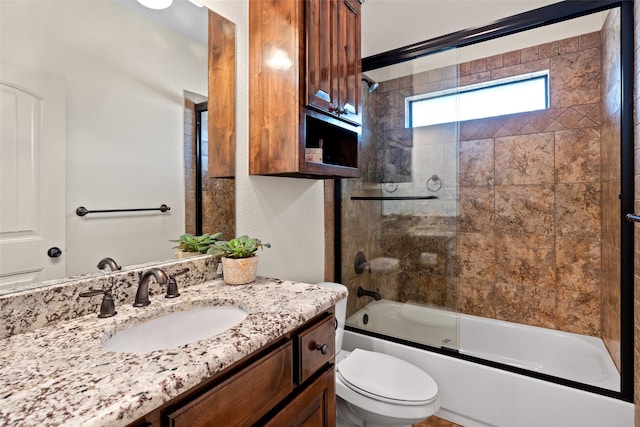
(314, 407)
(321, 25)
(243, 398)
(348, 42)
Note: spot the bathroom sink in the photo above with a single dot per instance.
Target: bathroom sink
(175, 329)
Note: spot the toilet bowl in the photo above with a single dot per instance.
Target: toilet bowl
(376, 389)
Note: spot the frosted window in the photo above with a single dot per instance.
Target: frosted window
(496, 98)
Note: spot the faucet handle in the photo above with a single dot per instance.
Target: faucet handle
(107, 307)
(172, 286)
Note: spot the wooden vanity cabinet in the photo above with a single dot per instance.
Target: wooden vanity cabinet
(305, 107)
(290, 383)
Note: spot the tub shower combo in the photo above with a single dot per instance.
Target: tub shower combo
(495, 243)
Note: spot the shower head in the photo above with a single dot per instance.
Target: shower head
(372, 84)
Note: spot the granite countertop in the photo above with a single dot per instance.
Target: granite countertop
(61, 375)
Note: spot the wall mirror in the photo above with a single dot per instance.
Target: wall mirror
(110, 88)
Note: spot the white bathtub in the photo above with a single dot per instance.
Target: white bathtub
(477, 395)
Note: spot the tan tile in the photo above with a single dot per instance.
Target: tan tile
(525, 260)
(570, 118)
(524, 159)
(422, 288)
(578, 264)
(435, 75)
(587, 41)
(474, 78)
(477, 253)
(529, 54)
(548, 50)
(476, 209)
(578, 312)
(577, 155)
(576, 78)
(511, 58)
(494, 62)
(477, 297)
(525, 67)
(476, 162)
(478, 66)
(525, 304)
(569, 45)
(524, 209)
(578, 210)
(595, 114)
(611, 154)
(464, 69)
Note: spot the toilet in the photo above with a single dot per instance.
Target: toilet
(376, 389)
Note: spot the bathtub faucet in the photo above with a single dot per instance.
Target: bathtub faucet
(364, 293)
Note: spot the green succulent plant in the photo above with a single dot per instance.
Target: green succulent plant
(190, 243)
(239, 247)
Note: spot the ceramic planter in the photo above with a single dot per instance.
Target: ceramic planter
(239, 271)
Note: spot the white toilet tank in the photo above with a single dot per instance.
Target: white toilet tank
(341, 312)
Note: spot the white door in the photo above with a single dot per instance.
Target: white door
(32, 176)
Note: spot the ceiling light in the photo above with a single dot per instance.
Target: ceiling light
(156, 4)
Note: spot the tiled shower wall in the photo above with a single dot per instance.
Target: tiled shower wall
(529, 198)
(218, 194)
(530, 195)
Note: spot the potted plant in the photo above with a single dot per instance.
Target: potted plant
(195, 245)
(239, 258)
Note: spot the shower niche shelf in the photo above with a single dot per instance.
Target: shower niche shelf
(305, 108)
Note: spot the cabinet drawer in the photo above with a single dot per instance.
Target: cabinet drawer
(316, 346)
(245, 397)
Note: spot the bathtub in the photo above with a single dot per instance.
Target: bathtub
(477, 395)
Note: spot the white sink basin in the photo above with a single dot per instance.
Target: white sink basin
(175, 329)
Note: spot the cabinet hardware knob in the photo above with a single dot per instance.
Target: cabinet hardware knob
(323, 348)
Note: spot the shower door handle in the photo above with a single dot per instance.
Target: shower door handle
(632, 218)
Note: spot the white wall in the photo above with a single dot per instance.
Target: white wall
(125, 79)
(286, 212)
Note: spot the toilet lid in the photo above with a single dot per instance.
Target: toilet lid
(386, 378)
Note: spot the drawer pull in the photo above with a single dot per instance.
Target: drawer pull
(322, 348)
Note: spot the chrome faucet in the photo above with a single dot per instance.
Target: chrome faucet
(142, 295)
(104, 262)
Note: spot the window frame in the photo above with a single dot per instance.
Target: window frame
(460, 90)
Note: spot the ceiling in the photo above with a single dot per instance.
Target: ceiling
(182, 16)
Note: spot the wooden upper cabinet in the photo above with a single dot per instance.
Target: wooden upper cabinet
(349, 60)
(304, 88)
(333, 58)
(222, 96)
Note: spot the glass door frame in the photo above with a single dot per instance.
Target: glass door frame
(551, 14)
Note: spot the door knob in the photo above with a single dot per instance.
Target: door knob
(54, 252)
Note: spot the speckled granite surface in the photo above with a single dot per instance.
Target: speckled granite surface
(61, 375)
(59, 300)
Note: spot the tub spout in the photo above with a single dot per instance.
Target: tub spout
(364, 293)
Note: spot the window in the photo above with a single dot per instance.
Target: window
(511, 95)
